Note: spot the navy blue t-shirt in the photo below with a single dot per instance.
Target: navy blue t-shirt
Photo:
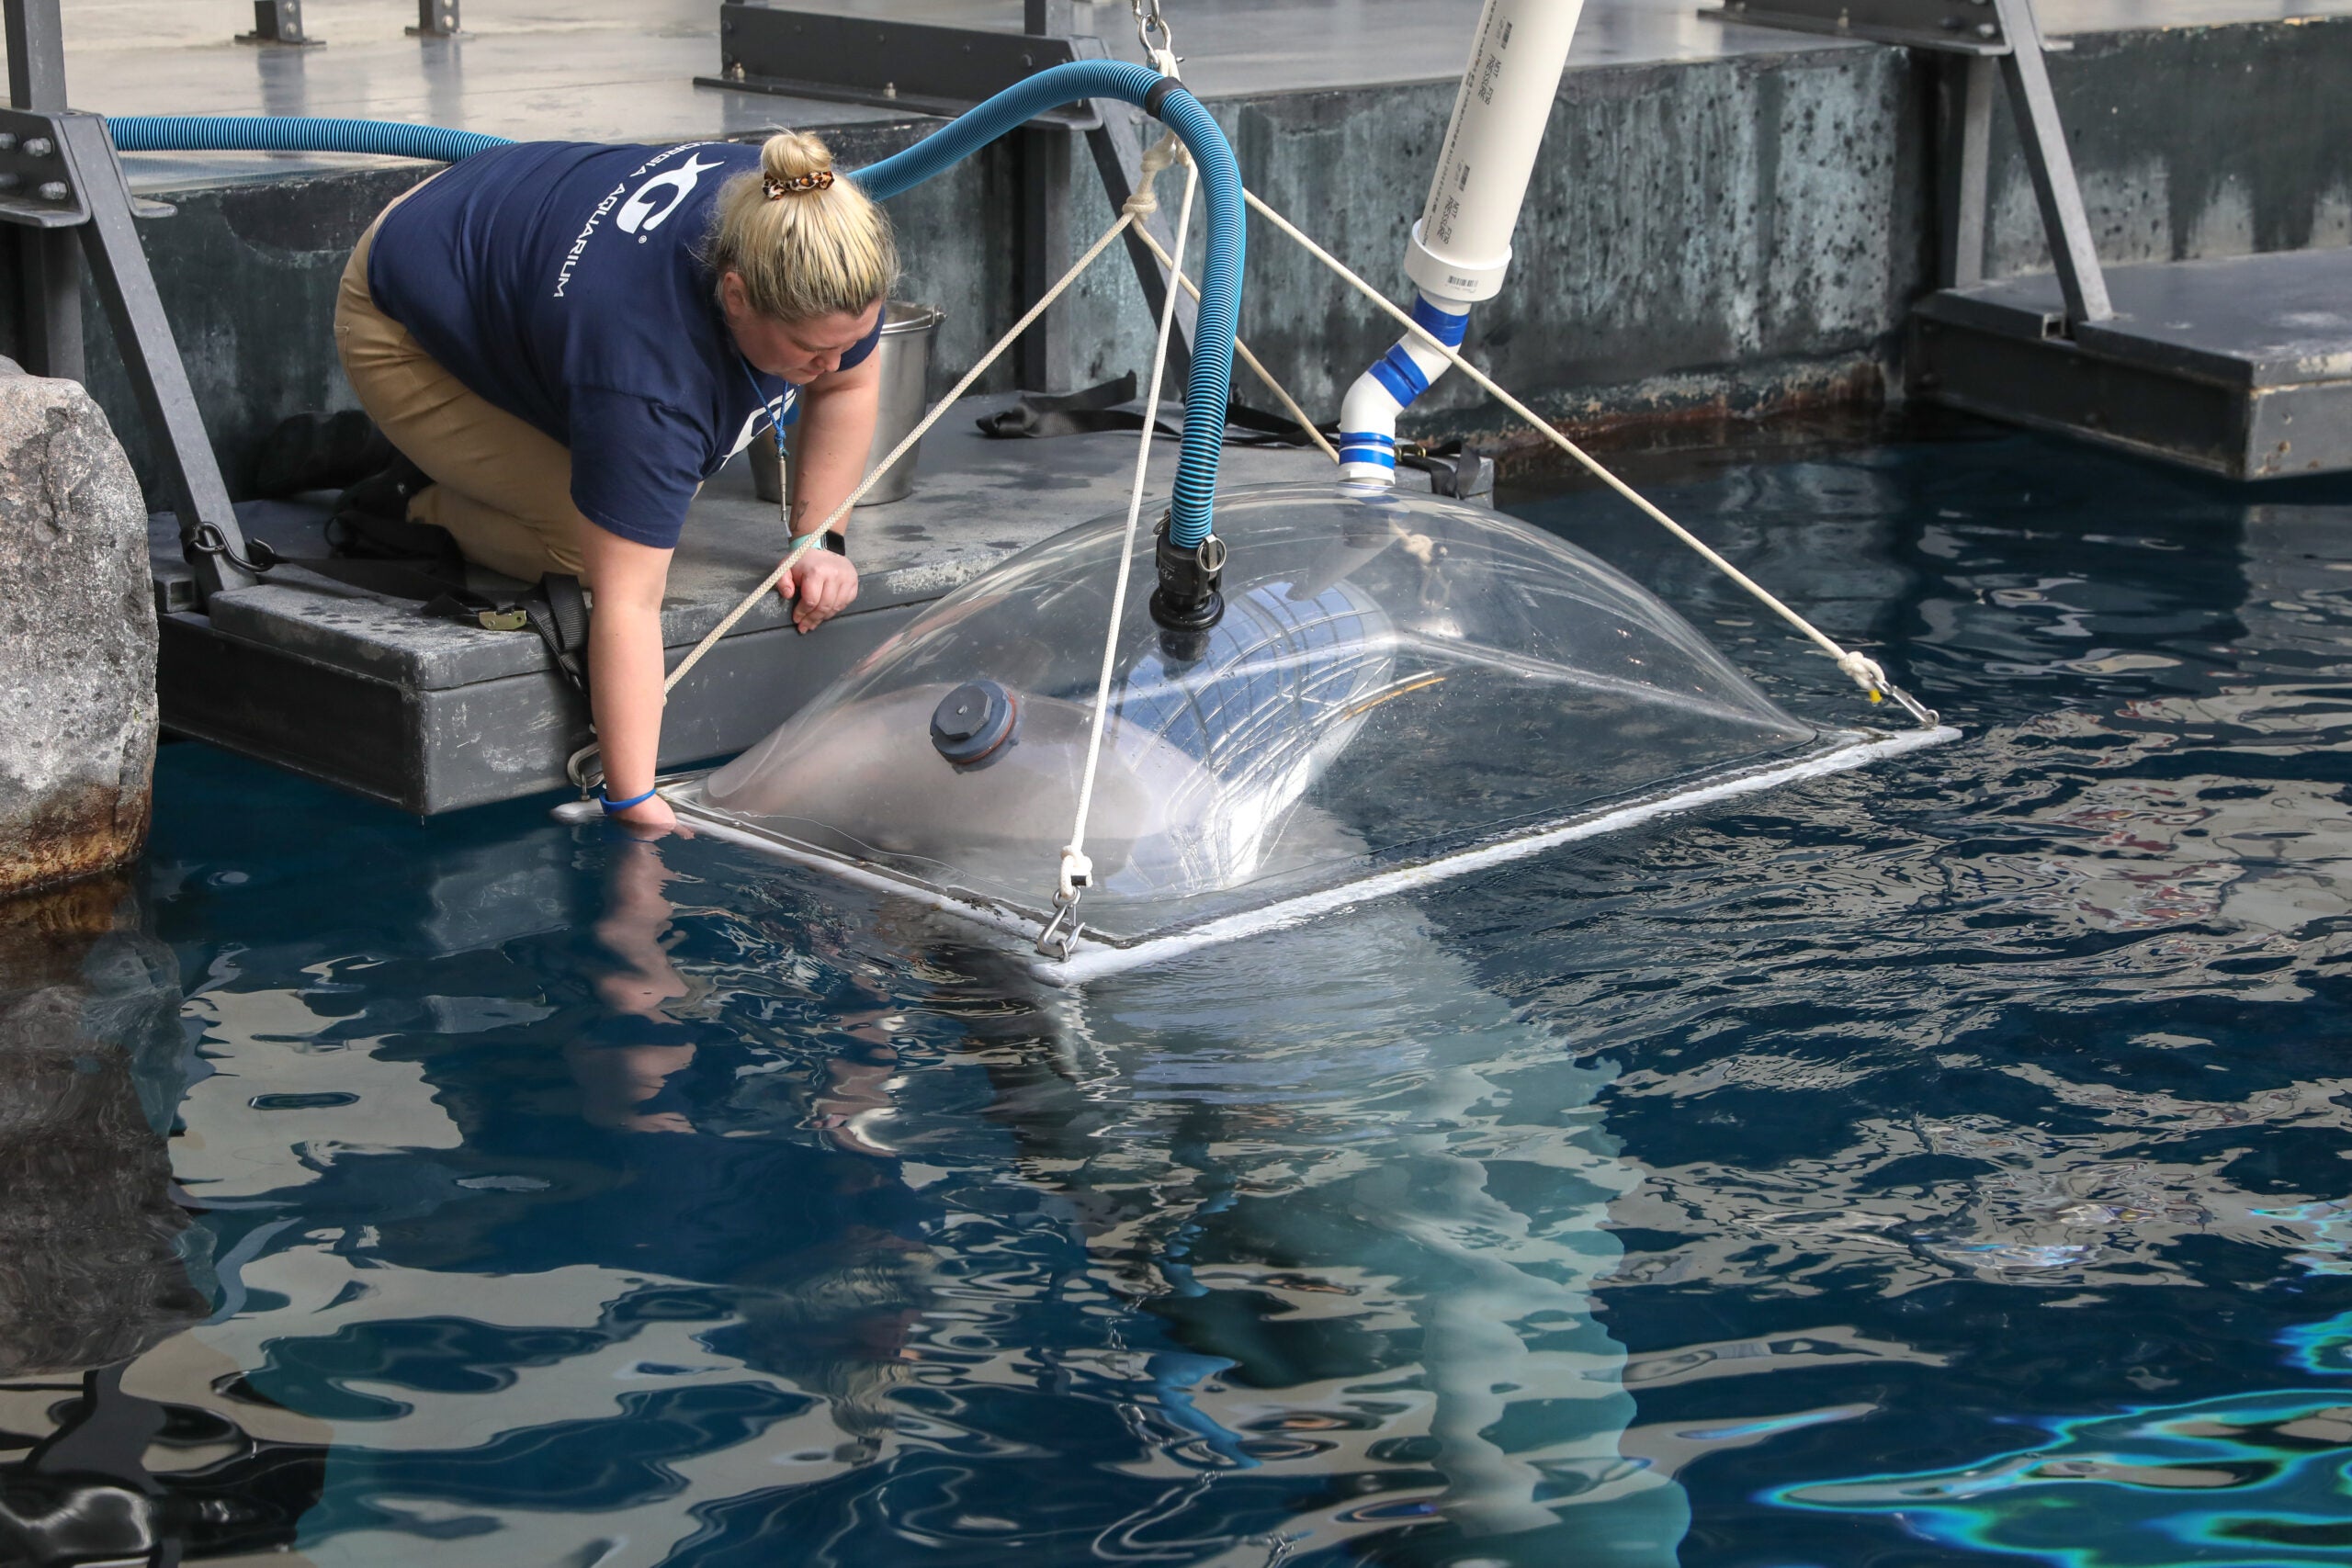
(564, 282)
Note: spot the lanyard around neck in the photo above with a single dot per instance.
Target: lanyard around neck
(769, 406)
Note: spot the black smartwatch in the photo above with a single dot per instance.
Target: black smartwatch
(835, 541)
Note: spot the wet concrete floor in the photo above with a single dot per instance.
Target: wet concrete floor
(623, 70)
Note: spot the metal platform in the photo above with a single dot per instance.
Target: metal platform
(366, 693)
(2242, 365)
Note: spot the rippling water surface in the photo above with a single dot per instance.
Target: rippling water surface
(1945, 1163)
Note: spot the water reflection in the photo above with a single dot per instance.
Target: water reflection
(1868, 1173)
(2022, 1062)
(2243, 1477)
(705, 1238)
(92, 1466)
(1383, 1227)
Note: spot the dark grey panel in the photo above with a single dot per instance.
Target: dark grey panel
(2051, 384)
(2299, 430)
(2254, 321)
(430, 751)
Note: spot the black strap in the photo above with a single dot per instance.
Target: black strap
(422, 564)
(557, 609)
(394, 579)
(356, 534)
(1040, 415)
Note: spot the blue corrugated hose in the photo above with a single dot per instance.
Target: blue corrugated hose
(289, 133)
(1220, 308)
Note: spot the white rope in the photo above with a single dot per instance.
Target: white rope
(1077, 871)
(873, 476)
(1863, 670)
(1241, 351)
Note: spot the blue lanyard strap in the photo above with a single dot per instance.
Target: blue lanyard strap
(791, 395)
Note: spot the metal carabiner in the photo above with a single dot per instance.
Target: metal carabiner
(1056, 943)
(1926, 716)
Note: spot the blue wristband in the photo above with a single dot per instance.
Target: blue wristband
(612, 805)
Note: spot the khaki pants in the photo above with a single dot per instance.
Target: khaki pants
(501, 487)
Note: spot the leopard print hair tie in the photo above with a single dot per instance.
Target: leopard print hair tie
(799, 185)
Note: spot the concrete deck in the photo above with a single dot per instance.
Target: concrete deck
(623, 70)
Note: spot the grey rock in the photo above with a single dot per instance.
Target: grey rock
(77, 640)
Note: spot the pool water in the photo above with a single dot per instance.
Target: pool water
(1945, 1163)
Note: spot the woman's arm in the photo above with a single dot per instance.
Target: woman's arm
(625, 669)
(836, 431)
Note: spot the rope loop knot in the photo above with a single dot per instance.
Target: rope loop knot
(1866, 674)
(1166, 154)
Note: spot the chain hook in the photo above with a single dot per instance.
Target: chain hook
(1151, 32)
(206, 538)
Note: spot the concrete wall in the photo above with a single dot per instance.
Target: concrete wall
(1743, 228)
(1736, 234)
(2193, 141)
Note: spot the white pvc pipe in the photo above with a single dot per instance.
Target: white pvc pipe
(1461, 247)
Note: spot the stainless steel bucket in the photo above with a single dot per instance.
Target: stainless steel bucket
(907, 332)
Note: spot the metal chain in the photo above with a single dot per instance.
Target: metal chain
(1151, 30)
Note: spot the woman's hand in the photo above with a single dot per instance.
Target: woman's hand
(829, 448)
(821, 586)
(650, 819)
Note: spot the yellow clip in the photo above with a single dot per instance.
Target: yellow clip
(502, 620)
(1877, 696)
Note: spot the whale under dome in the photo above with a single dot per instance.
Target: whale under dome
(1397, 682)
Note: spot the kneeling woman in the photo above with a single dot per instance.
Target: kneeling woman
(568, 340)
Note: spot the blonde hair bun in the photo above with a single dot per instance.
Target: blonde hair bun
(805, 243)
(789, 154)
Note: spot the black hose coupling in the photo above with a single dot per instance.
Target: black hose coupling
(1186, 605)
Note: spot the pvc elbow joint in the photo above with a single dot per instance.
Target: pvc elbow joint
(1368, 416)
(1368, 433)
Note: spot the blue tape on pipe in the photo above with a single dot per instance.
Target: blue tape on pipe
(1448, 327)
(1397, 371)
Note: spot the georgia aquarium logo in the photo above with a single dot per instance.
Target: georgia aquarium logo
(645, 209)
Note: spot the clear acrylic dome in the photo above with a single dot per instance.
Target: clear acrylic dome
(1396, 679)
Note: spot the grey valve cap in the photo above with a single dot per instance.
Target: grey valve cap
(974, 722)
